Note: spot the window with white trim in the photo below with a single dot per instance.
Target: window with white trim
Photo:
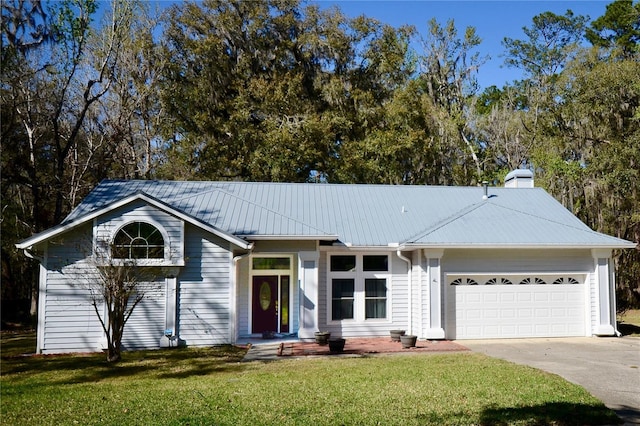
(138, 240)
(358, 287)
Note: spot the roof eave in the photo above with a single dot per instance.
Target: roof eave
(64, 227)
(411, 246)
(286, 237)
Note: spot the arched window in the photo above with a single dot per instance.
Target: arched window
(464, 281)
(566, 280)
(138, 240)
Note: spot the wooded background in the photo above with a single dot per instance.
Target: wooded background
(285, 91)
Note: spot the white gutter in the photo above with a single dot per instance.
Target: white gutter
(410, 285)
(258, 237)
(624, 245)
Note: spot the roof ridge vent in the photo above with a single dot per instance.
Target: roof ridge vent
(519, 178)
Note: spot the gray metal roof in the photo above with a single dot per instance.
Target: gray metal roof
(367, 215)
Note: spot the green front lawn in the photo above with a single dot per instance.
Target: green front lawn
(211, 386)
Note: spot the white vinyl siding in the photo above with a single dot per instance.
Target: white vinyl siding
(145, 327)
(204, 302)
(70, 323)
(516, 261)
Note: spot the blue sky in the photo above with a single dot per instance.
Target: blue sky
(493, 21)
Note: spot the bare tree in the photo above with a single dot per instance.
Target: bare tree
(116, 289)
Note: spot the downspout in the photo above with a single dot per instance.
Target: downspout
(410, 285)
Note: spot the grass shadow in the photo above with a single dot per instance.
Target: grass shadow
(93, 367)
(628, 329)
(17, 342)
(557, 413)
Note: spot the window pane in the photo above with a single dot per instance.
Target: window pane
(342, 298)
(139, 252)
(139, 242)
(156, 252)
(146, 230)
(375, 263)
(120, 252)
(375, 293)
(122, 238)
(375, 287)
(343, 263)
(342, 288)
(375, 308)
(263, 263)
(342, 309)
(155, 238)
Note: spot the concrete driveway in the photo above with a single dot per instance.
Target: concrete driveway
(609, 368)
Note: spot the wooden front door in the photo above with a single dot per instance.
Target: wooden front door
(264, 305)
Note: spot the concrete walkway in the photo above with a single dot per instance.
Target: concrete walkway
(609, 368)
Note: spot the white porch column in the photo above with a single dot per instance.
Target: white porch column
(435, 327)
(605, 293)
(308, 290)
(170, 337)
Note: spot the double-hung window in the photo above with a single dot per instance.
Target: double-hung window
(358, 287)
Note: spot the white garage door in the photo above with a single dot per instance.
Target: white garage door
(510, 306)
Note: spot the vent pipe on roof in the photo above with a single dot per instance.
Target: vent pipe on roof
(485, 185)
(520, 178)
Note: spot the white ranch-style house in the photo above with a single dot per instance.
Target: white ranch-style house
(241, 259)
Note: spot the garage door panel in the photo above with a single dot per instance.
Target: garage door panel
(517, 310)
(508, 313)
(490, 297)
(541, 297)
(507, 297)
(523, 297)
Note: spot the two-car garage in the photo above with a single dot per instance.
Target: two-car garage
(483, 306)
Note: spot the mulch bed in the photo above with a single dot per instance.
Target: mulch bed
(364, 346)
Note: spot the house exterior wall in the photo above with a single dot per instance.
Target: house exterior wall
(145, 327)
(205, 307)
(67, 322)
(536, 310)
(516, 261)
